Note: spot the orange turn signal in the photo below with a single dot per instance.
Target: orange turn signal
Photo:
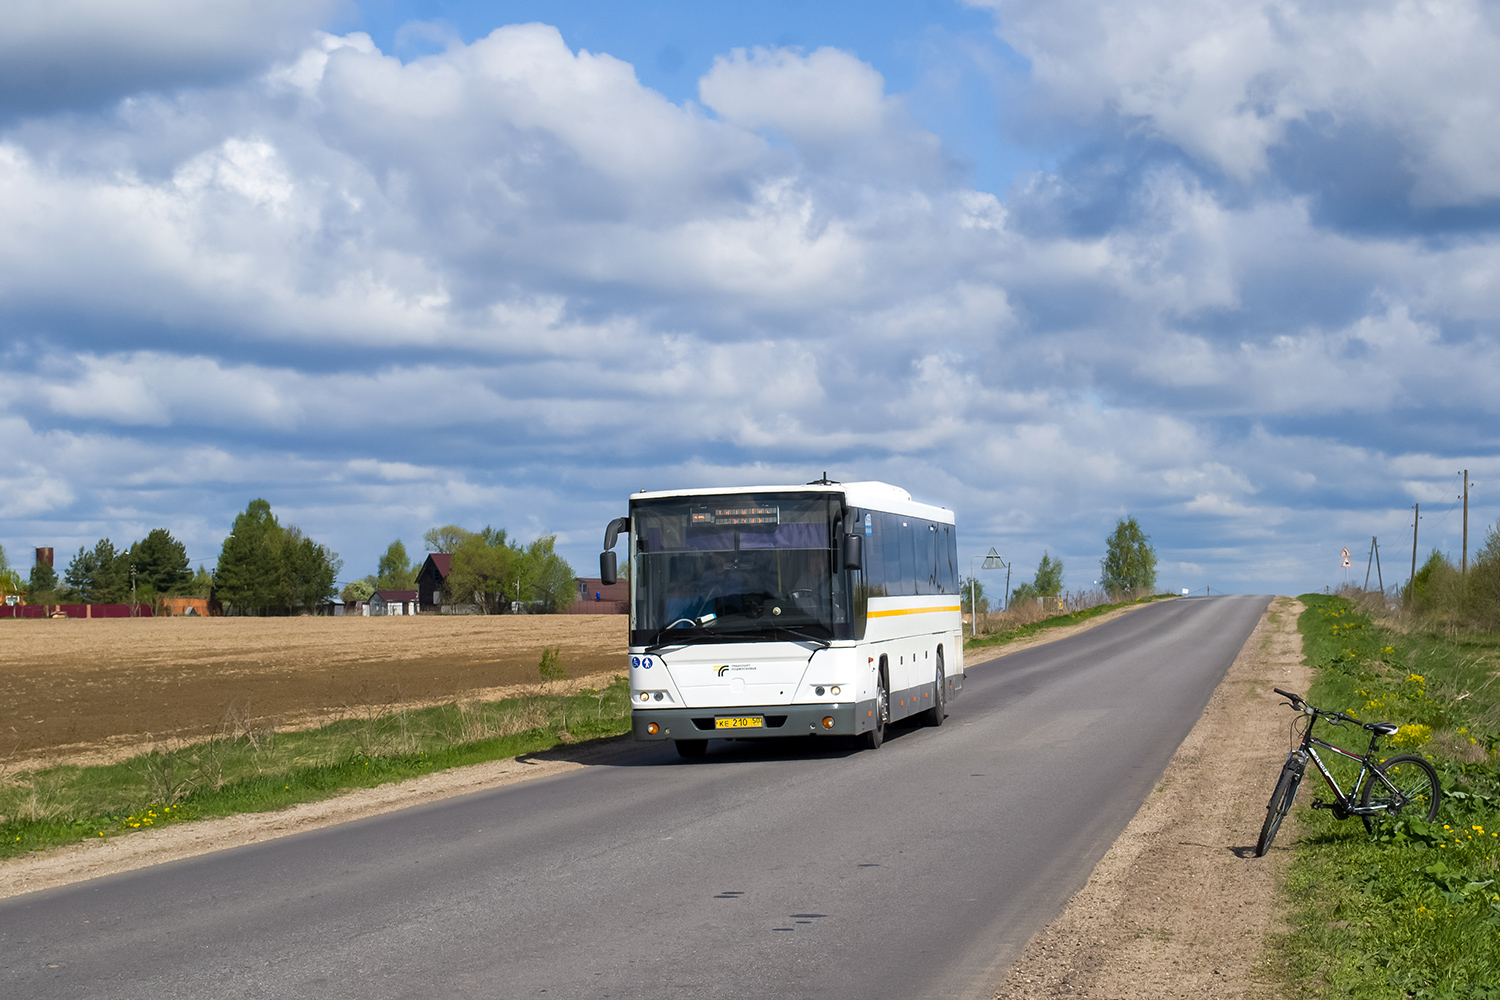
(652, 728)
(827, 722)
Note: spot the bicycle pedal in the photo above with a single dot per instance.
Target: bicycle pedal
(1320, 804)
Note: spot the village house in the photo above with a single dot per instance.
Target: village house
(392, 602)
(431, 579)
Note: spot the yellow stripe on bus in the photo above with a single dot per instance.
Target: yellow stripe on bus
(911, 611)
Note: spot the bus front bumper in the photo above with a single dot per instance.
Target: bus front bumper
(775, 720)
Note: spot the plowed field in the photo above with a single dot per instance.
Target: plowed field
(83, 689)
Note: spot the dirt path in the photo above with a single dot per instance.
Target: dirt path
(89, 691)
(1179, 906)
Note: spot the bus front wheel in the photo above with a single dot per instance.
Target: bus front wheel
(876, 736)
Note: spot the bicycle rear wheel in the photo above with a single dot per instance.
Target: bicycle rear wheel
(1280, 804)
(1417, 794)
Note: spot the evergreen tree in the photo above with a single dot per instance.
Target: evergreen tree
(41, 588)
(308, 571)
(246, 577)
(265, 568)
(99, 575)
(161, 562)
(1129, 563)
(1049, 577)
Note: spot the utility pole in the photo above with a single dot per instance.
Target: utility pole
(1411, 583)
(1370, 563)
(134, 611)
(1466, 523)
(1379, 579)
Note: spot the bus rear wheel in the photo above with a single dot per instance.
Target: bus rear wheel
(939, 709)
(691, 748)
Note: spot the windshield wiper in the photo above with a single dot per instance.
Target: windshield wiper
(740, 635)
(783, 630)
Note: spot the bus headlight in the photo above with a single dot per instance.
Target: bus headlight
(645, 696)
(835, 689)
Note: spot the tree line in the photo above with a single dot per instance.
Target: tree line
(487, 572)
(269, 568)
(156, 566)
(1442, 592)
(1127, 569)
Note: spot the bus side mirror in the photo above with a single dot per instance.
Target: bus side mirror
(609, 571)
(854, 551)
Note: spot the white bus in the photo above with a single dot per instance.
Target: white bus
(759, 611)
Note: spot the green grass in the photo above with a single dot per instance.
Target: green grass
(1415, 910)
(1072, 618)
(260, 770)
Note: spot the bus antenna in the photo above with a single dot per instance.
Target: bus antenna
(825, 481)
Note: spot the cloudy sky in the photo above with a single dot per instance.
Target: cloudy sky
(1230, 267)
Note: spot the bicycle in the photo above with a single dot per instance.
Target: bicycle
(1402, 784)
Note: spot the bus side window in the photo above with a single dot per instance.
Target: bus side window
(930, 559)
(890, 545)
(906, 533)
(875, 557)
(949, 559)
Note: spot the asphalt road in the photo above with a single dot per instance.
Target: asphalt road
(775, 870)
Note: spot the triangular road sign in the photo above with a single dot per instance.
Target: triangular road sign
(993, 560)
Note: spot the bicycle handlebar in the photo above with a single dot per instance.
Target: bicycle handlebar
(1300, 704)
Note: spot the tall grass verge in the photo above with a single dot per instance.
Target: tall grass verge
(255, 770)
(1413, 911)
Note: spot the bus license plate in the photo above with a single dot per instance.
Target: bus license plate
(740, 722)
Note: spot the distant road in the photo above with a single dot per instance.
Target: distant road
(778, 870)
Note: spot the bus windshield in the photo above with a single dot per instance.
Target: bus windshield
(741, 565)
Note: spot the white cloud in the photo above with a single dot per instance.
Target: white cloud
(1224, 79)
(64, 53)
(507, 280)
(819, 99)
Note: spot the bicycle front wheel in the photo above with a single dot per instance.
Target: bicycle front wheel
(1279, 806)
(1416, 793)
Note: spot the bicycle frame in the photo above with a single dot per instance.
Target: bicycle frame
(1366, 768)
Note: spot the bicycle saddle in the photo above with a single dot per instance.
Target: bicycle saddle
(1382, 728)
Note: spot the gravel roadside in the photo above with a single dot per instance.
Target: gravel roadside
(1179, 906)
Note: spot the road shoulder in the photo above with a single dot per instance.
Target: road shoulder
(1179, 906)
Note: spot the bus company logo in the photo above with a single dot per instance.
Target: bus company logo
(721, 671)
(644, 662)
